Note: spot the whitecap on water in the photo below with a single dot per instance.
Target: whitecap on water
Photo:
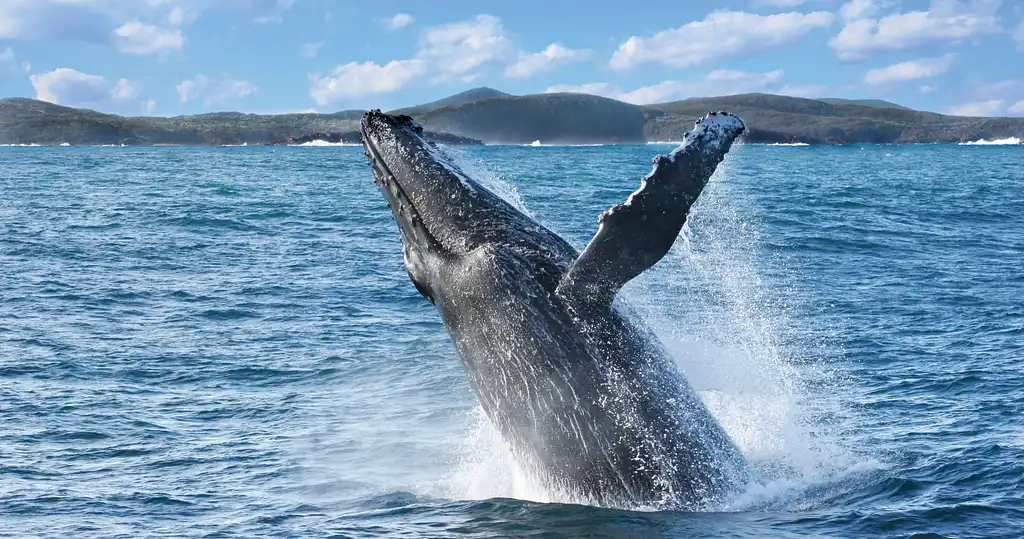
(1011, 141)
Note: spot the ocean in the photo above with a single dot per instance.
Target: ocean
(223, 342)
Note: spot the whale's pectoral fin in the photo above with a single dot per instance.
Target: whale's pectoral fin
(636, 234)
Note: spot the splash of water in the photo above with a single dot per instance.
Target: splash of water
(476, 168)
(723, 323)
(725, 327)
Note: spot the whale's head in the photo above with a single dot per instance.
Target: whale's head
(442, 213)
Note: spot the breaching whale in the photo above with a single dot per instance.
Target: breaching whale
(580, 389)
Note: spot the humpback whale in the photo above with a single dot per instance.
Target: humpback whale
(580, 389)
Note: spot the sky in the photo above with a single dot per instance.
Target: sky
(171, 57)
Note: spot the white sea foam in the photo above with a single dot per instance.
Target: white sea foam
(723, 325)
(726, 331)
(1012, 141)
(788, 144)
(320, 143)
(538, 144)
(20, 145)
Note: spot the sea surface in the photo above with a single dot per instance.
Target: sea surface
(223, 342)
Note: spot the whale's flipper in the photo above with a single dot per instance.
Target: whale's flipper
(635, 235)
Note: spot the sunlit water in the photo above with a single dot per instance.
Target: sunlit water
(224, 343)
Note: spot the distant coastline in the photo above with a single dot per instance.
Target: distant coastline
(487, 116)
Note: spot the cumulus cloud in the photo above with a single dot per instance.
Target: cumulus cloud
(909, 71)
(141, 39)
(400, 20)
(859, 9)
(459, 48)
(1017, 108)
(448, 53)
(72, 88)
(991, 107)
(554, 56)
(926, 89)
(718, 82)
(53, 19)
(946, 22)
(131, 26)
(1018, 36)
(310, 50)
(213, 92)
(9, 66)
(720, 34)
(360, 79)
(456, 52)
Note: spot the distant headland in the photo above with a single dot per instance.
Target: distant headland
(485, 115)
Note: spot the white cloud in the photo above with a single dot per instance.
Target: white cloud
(72, 88)
(554, 56)
(715, 83)
(1004, 89)
(9, 66)
(912, 70)
(176, 17)
(720, 34)
(1018, 36)
(190, 89)
(137, 25)
(458, 48)
(310, 50)
(54, 19)
(356, 80)
(859, 9)
(449, 53)
(1017, 108)
(141, 39)
(926, 89)
(947, 22)
(979, 108)
(213, 92)
(400, 20)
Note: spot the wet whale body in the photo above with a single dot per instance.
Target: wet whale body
(584, 394)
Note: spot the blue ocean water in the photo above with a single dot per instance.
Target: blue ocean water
(222, 342)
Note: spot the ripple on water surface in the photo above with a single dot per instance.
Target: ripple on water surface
(223, 342)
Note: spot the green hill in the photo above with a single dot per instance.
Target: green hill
(877, 103)
(773, 118)
(551, 118)
(28, 121)
(461, 98)
(498, 118)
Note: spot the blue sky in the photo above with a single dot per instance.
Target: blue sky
(170, 57)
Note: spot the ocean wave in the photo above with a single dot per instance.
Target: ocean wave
(320, 143)
(1011, 141)
(538, 144)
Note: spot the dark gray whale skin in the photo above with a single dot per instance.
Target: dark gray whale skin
(583, 393)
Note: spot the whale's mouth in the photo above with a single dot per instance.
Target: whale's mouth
(404, 210)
